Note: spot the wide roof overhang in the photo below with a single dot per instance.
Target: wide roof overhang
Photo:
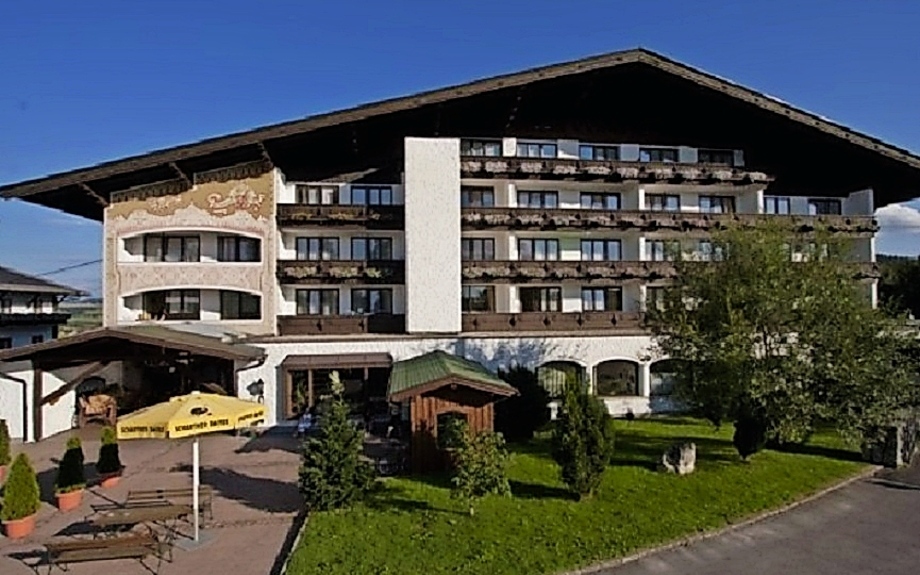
(632, 96)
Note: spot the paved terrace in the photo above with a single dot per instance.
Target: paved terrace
(256, 502)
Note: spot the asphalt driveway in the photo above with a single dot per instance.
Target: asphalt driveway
(871, 527)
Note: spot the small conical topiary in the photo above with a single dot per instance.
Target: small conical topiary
(20, 494)
(109, 461)
(4, 443)
(70, 475)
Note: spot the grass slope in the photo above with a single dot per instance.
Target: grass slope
(413, 527)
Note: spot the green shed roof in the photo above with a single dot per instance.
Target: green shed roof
(417, 373)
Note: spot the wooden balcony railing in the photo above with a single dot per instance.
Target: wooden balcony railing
(33, 318)
(341, 324)
(552, 322)
(362, 217)
(606, 170)
(342, 272)
(649, 221)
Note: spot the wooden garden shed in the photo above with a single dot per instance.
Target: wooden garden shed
(438, 386)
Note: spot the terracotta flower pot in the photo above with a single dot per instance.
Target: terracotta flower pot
(110, 480)
(19, 528)
(70, 500)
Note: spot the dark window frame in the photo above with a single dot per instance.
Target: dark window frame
(546, 242)
(611, 298)
(467, 300)
(380, 293)
(368, 242)
(227, 311)
(184, 296)
(605, 249)
(819, 206)
(657, 155)
(728, 157)
(547, 297)
(374, 195)
(716, 200)
(302, 194)
(772, 205)
(468, 249)
(544, 150)
(163, 240)
(668, 251)
(303, 255)
(543, 196)
(600, 153)
(469, 147)
(302, 299)
(477, 197)
(603, 204)
(237, 250)
(714, 253)
(650, 201)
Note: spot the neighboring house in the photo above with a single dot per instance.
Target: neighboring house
(29, 309)
(526, 219)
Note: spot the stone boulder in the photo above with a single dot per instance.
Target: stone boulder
(680, 458)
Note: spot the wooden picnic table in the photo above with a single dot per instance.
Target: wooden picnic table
(125, 518)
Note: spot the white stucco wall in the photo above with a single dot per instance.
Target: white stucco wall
(432, 194)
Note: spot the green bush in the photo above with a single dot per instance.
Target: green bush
(518, 417)
(332, 474)
(109, 460)
(582, 440)
(750, 435)
(21, 493)
(479, 462)
(70, 476)
(4, 443)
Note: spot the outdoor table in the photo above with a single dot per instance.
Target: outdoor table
(124, 519)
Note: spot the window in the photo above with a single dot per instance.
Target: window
(238, 249)
(477, 197)
(538, 250)
(477, 249)
(316, 195)
(365, 249)
(600, 201)
(173, 304)
(602, 299)
(710, 253)
(600, 250)
(538, 200)
(824, 207)
(776, 205)
(317, 301)
(541, 299)
(240, 305)
(478, 298)
(667, 155)
(617, 377)
(6, 343)
(491, 148)
(664, 376)
(367, 301)
(654, 297)
(536, 150)
(598, 152)
(717, 204)
(663, 203)
(172, 249)
(662, 250)
(720, 157)
(38, 339)
(372, 195)
(315, 249)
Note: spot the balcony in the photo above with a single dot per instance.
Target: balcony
(649, 221)
(358, 217)
(341, 272)
(553, 322)
(341, 324)
(606, 171)
(9, 318)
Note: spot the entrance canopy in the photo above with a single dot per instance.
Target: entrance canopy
(437, 369)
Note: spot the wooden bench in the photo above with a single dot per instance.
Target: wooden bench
(64, 553)
(162, 496)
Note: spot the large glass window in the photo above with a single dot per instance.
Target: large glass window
(662, 250)
(173, 304)
(654, 297)
(368, 301)
(538, 200)
(776, 205)
(172, 248)
(600, 250)
(663, 202)
(538, 249)
(477, 197)
(666, 155)
(372, 195)
(602, 201)
(536, 150)
(317, 302)
(317, 195)
(617, 377)
(240, 305)
(709, 252)
(717, 204)
(478, 299)
(541, 299)
(588, 152)
(477, 249)
(364, 249)
(316, 249)
(719, 157)
(824, 207)
(602, 299)
(238, 249)
(480, 147)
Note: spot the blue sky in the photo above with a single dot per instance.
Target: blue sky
(85, 82)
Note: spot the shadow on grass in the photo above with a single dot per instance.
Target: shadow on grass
(828, 452)
(389, 498)
(645, 452)
(521, 490)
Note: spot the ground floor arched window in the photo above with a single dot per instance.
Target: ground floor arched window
(617, 377)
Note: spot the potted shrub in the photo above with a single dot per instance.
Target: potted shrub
(4, 448)
(109, 464)
(70, 480)
(20, 499)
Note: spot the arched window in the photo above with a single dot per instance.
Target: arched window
(553, 376)
(663, 376)
(617, 377)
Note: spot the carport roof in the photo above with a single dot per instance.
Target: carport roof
(151, 335)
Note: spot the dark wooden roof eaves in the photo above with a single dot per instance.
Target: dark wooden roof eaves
(11, 280)
(337, 361)
(276, 131)
(427, 372)
(144, 335)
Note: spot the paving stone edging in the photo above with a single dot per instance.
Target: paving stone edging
(685, 541)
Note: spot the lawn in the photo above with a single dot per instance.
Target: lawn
(412, 526)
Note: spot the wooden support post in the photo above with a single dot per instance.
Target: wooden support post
(37, 388)
(309, 388)
(288, 393)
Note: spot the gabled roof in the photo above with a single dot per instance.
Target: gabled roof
(11, 280)
(432, 370)
(151, 335)
(161, 164)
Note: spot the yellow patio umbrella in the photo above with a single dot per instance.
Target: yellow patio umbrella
(190, 416)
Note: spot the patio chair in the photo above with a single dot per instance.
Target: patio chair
(99, 407)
